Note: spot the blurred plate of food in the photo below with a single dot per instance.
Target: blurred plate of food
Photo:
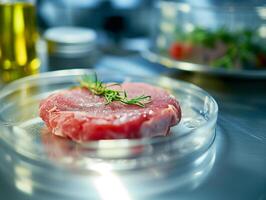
(224, 40)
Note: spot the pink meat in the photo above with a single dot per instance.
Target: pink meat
(82, 116)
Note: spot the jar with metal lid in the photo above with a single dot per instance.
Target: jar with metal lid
(71, 47)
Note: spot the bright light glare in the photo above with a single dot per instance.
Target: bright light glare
(262, 31)
(184, 8)
(167, 27)
(23, 179)
(168, 10)
(189, 27)
(24, 185)
(108, 185)
(262, 12)
(161, 41)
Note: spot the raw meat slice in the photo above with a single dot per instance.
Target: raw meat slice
(82, 116)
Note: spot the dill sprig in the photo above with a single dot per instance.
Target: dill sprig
(97, 87)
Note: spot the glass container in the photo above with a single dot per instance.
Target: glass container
(41, 165)
(71, 47)
(18, 38)
(221, 37)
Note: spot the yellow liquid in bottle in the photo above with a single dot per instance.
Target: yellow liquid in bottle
(18, 37)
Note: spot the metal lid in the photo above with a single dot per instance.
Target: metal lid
(70, 41)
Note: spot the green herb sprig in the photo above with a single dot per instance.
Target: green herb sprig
(242, 47)
(98, 88)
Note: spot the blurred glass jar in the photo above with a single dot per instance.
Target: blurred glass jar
(222, 34)
(71, 47)
(18, 38)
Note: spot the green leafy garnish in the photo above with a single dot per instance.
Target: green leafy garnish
(98, 88)
(239, 49)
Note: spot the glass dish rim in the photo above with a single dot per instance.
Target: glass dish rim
(154, 57)
(229, 8)
(121, 143)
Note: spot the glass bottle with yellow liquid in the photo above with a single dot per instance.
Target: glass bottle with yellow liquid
(18, 38)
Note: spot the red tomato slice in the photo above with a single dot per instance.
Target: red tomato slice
(179, 51)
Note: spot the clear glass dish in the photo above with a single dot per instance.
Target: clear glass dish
(38, 163)
(215, 38)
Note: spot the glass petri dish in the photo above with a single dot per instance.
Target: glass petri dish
(40, 164)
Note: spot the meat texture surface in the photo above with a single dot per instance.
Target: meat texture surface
(82, 116)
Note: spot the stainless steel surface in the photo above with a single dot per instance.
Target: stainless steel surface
(240, 163)
(239, 171)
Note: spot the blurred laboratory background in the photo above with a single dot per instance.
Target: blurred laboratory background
(96, 28)
(219, 46)
(217, 37)
(116, 23)
(154, 29)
